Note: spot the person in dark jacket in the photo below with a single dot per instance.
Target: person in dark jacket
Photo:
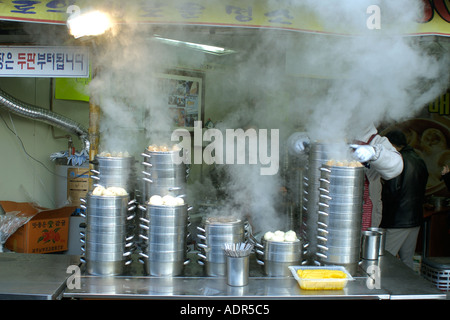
(403, 199)
(445, 175)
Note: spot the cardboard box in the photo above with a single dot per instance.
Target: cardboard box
(46, 232)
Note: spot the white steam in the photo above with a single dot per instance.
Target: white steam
(332, 86)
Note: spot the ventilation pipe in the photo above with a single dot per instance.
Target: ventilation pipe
(26, 110)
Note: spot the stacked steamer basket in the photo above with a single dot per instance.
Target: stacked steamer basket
(277, 256)
(319, 154)
(116, 170)
(164, 223)
(340, 215)
(109, 216)
(214, 234)
(107, 238)
(165, 172)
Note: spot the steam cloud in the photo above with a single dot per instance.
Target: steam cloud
(370, 77)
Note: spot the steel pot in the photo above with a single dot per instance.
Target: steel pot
(277, 256)
(217, 231)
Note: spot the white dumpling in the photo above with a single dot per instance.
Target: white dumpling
(169, 200)
(98, 191)
(156, 200)
(108, 192)
(179, 201)
(278, 237)
(290, 236)
(279, 233)
(268, 235)
(117, 191)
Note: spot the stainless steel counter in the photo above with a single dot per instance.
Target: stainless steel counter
(34, 276)
(396, 281)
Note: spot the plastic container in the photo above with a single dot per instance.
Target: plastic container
(321, 283)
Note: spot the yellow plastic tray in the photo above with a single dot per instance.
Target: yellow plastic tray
(321, 284)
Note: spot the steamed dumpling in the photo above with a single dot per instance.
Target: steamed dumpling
(169, 200)
(156, 200)
(277, 237)
(118, 191)
(179, 201)
(98, 191)
(281, 236)
(268, 235)
(290, 236)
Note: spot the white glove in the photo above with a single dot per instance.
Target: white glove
(298, 142)
(363, 153)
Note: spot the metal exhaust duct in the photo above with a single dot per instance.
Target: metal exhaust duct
(26, 110)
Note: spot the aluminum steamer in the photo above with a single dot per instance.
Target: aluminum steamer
(164, 231)
(340, 216)
(115, 172)
(212, 237)
(108, 237)
(319, 154)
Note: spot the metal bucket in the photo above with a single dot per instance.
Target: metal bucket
(212, 237)
(164, 231)
(277, 256)
(339, 218)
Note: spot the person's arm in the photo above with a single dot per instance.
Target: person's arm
(381, 156)
(388, 162)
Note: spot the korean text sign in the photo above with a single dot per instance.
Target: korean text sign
(35, 61)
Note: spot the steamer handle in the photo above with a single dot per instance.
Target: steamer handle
(321, 255)
(144, 220)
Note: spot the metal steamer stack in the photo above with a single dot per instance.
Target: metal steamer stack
(115, 172)
(213, 235)
(163, 228)
(319, 154)
(108, 236)
(339, 216)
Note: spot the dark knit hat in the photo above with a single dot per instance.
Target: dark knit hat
(397, 137)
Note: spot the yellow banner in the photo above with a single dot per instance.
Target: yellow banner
(229, 13)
